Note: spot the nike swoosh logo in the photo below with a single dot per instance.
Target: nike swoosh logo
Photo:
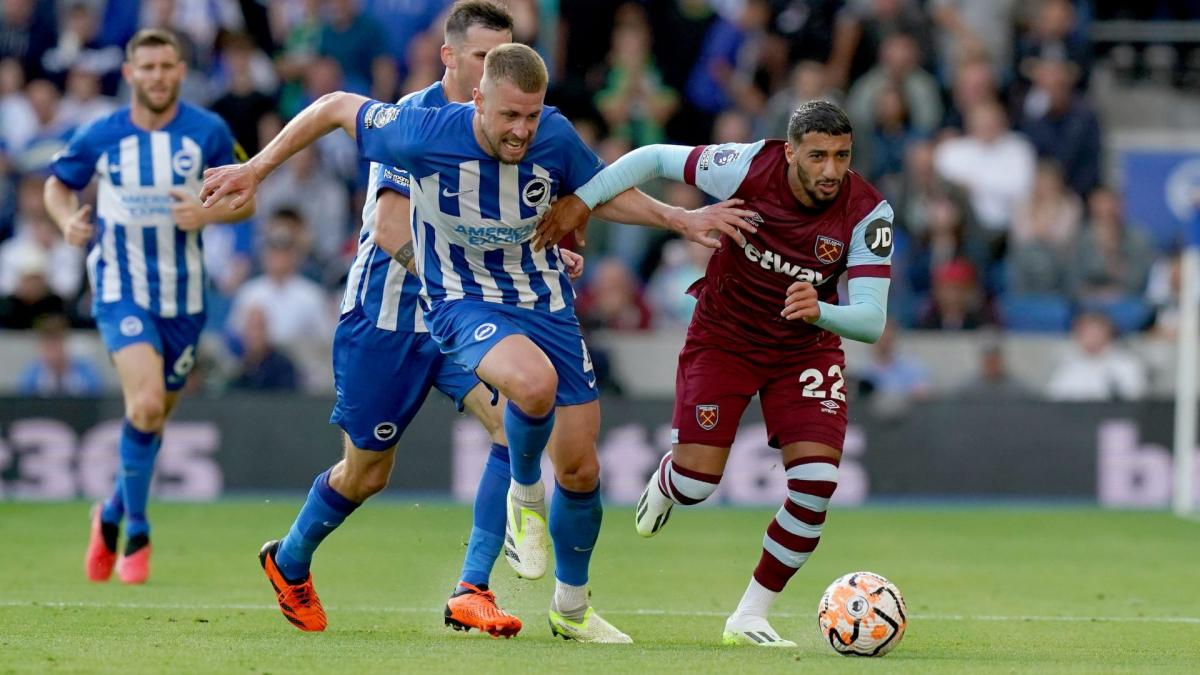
(448, 194)
(583, 550)
(592, 383)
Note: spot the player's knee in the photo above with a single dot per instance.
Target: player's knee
(534, 392)
(147, 411)
(582, 475)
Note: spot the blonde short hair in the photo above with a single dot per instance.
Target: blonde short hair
(519, 64)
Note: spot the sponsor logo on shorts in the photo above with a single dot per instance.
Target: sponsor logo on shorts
(385, 431)
(485, 331)
(831, 407)
(536, 192)
(828, 249)
(707, 416)
(131, 326)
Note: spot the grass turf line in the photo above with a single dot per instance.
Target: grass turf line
(1078, 591)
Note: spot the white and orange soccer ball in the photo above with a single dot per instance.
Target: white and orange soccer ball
(862, 614)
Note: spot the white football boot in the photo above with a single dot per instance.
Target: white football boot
(526, 537)
(752, 630)
(653, 509)
(593, 628)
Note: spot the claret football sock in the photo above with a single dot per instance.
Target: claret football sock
(527, 436)
(321, 514)
(138, 450)
(574, 527)
(487, 531)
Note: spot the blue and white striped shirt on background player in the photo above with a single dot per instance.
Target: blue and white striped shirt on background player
(473, 216)
(384, 289)
(138, 252)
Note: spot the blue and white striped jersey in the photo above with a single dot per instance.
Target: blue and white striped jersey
(138, 252)
(384, 289)
(473, 216)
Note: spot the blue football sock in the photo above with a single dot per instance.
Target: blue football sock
(527, 438)
(321, 514)
(114, 509)
(487, 532)
(138, 450)
(574, 528)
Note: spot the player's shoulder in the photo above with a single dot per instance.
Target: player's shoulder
(433, 96)
(862, 197)
(554, 122)
(115, 125)
(193, 117)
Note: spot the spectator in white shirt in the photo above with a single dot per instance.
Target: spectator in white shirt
(1095, 368)
(300, 316)
(994, 165)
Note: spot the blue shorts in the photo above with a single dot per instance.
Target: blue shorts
(123, 323)
(466, 330)
(382, 377)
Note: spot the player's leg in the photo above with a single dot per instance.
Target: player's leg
(576, 510)
(491, 341)
(132, 337)
(712, 390)
(334, 495)
(487, 527)
(372, 412)
(472, 604)
(576, 513)
(806, 419)
(524, 374)
(791, 537)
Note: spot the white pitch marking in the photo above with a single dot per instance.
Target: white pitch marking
(627, 612)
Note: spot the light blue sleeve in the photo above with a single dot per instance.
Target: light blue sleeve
(644, 164)
(864, 318)
(719, 170)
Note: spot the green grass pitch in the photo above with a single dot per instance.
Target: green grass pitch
(989, 590)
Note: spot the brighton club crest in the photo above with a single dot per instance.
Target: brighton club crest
(828, 249)
(707, 416)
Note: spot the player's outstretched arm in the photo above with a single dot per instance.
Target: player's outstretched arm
(338, 109)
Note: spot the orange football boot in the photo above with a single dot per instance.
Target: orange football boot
(134, 568)
(298, 602)
(99, 561)
(474, 607)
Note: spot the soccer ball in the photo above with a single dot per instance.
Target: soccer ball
(862, 614)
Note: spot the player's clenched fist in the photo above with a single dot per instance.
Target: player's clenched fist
(573, 262)
(79, 229)
(801, 303)
(187, 211)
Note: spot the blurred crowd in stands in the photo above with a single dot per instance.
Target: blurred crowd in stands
(972, 116)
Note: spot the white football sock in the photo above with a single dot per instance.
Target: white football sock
(533, 493)
(756, 601)
(570, 601)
